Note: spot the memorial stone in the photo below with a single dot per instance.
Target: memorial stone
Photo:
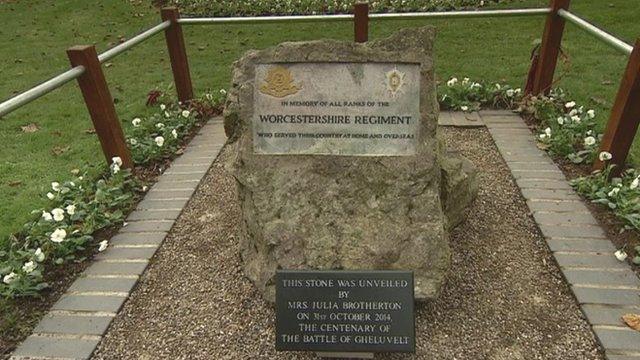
(338, 163)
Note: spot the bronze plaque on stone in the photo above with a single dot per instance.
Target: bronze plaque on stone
(345, 311)
(352, 109)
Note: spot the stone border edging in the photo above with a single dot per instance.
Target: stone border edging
(76, 323)
(604, 287)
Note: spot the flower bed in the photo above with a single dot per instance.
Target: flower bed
(95, 199)
(312, 7)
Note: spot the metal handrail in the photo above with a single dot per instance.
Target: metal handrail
(69, 75)
(409, 15)
(597, 32)
(117, 50)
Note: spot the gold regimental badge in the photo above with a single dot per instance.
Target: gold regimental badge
(279, 83)
(395, 81)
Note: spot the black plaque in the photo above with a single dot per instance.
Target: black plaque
(345, 311)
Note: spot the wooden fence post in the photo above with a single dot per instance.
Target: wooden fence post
(177, 54)
(100, 104)
(361, 22)
(625, 115)
(549, 48)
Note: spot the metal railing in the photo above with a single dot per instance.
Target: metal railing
(172, 22)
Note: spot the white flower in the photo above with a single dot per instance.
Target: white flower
(223, 91)
(166, 114)
(159, 141)
(58, 214)
(510, 93)
(573, 112)
(50, 196)
(635, 183)
(560, 120)
(498, 87)
(621, 255)
(614, 192)
(576, 119)
(133, 141)
(28, 267)
(174, 133)
(464, 108)
(9, 278)
(589, 140)
(116, 160)
(547, 131)
(115, 168)
(475, 86)
(103, 245)
(39, 255)
(163, 107)
(452, 82)
(590, 132)
(160, 125)
(604, 156)
(71, 209)
(145, 188)
(55, 186)
(570, 104)
(136, 122)
(58, 235)
(591, 114)
(71, 183)
(518, 91)
(186, 113)
(465, 81)
(542, 136)
(46, 216)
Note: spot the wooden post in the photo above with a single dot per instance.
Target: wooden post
(361, 21)
(550, 48)
(100, 104)
(625, 115)
(178, 54)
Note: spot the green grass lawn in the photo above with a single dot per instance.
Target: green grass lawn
(35, 35)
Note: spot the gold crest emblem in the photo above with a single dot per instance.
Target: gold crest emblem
(279, 83)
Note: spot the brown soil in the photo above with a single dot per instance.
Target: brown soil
(505, 297)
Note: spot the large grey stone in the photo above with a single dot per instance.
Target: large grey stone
(346, 212)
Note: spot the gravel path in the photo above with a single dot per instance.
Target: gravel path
(505, 299)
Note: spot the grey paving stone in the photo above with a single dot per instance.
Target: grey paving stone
(116, 268)
(612, 356)
(182, 177)
(460, 119)
(126, 253)
(168, 194)
(584, 231)
(97, 284)
(508, 125)
(565, 218)
(543, 184)
(89, 303)
(73, 324)
(626, 339)
(147, 226)
(61, 348)
(187, 170)
(603, 246)
(170, 185)
(538, 174)
(607, 314)
(557, 206)
(510, 132)
(138, 239)
(190, 161)
(549, 194)
(138, 215)
(526, 158)
(162, 204)
(588, 295)
(582, 260)
(533, 166)
(495, 114)
(602, 277)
